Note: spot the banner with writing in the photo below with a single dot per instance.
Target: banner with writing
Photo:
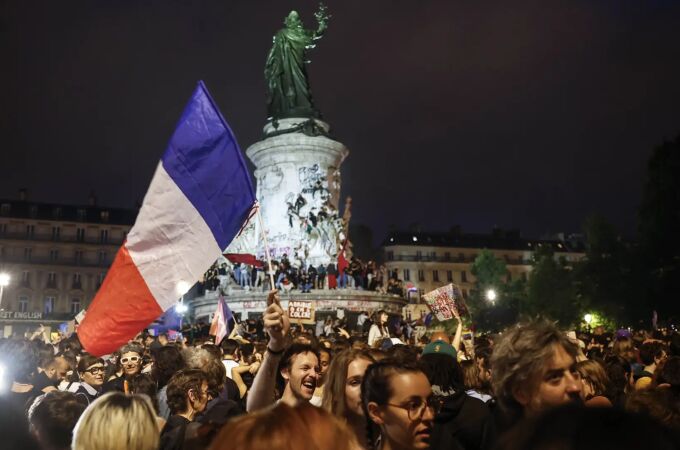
(445, 301)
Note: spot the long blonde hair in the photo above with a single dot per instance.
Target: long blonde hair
(115, 421)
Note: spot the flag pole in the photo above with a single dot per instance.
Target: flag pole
(266, 245)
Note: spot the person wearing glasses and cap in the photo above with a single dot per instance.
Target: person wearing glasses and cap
(91, 372)
(130, 363)
(397, 398)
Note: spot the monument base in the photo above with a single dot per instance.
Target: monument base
(324, 303)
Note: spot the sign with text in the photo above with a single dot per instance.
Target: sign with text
(445, 302)
(299, 310)
(17, 315)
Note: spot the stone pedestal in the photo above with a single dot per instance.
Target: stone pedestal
(298, 187)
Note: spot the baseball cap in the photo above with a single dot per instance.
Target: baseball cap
(440, 347)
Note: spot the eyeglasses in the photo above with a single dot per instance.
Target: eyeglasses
(416, 407)
(132, 359)
(93, 370)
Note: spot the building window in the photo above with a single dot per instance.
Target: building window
(79, 256)
(104, 236)
(102, 257)
(76, 281)
(435, 276)
(407, 275)
(449, 275)
(463, 276)
(5, 208)
(56, 212)
(390, 256)
(49, 304)
(56, 233)
(28, 252)
(54, 255)
(82, 214)
(75, 305)
(104, 216)
(26, 278)
(447, 256)
(33, 211)
(421, 275)
(3, 228)
(419, 255)
(52, 280)
(461, 257)
(433, 256)
(30, 231)
(80, 234)
(100, 279)
(465, 294)
(23, 303)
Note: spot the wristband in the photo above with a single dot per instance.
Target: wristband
(272, 352)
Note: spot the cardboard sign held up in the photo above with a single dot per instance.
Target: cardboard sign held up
(300, 311)
(446, 300)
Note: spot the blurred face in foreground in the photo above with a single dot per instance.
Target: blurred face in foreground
(559, 383)
(355, 375)
(302, 376)
(406, 420)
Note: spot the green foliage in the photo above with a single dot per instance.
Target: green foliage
(491, 273)
(659, 229)
(551, 290)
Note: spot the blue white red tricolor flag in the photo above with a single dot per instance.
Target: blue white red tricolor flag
(220, 323)
(199, 198)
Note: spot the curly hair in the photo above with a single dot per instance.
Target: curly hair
(521, 355)
(167, 361)
(179, 386)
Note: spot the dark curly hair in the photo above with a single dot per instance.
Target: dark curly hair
(179, 386)
(54, 415)
(167, 361)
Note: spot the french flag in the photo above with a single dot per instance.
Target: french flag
(199, 199)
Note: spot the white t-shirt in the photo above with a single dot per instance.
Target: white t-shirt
(229, 364)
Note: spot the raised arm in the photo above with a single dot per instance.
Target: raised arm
(321, 17)
(277, 325)
(459, 331)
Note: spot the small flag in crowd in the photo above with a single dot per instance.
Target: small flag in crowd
(220, 323)
(198, 201)
(245, 258)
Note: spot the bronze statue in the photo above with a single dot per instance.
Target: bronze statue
(288, 92)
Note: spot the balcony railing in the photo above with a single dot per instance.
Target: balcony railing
(64, 239)
(453, 259)
(46, 260)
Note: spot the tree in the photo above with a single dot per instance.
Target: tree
(491, 274)
(550, 290)
(659, 228)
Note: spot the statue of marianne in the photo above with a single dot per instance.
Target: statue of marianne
(288, 92)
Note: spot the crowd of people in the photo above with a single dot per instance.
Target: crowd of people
(533, 386)
(352, 274)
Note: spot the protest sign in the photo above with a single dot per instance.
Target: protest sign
(445, 302)
(301, 311)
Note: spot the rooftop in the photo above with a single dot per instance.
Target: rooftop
(25, 209)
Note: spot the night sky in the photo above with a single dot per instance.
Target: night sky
(528, 115)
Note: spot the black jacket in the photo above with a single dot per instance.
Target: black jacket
(464, 422)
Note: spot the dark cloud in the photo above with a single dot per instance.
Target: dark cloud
(517, 114)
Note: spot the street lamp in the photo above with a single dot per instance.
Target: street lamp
(588, 318)
(491, 295)
(4, 281)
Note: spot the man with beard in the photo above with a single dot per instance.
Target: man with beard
(534, 369)
(297, 365)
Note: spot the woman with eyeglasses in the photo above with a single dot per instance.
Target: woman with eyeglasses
(397, 399)
(91, 372)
